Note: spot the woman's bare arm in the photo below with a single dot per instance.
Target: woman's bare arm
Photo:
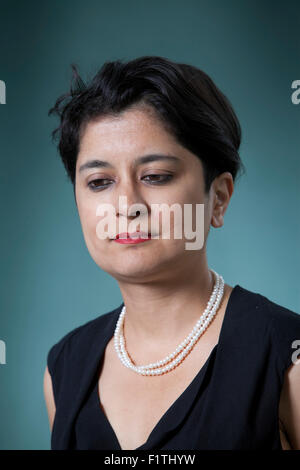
(289, 406)
(49, 398)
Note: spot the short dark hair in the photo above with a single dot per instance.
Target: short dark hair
(185, 99)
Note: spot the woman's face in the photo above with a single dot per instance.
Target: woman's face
(119, 141)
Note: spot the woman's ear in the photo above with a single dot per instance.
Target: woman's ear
(222, 191)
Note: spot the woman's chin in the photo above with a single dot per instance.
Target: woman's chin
(137, 264)
(132, 270)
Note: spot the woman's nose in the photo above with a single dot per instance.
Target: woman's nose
(129, 201)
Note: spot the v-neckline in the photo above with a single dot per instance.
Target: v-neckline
(200, 375)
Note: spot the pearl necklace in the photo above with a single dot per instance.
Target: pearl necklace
(183, 349)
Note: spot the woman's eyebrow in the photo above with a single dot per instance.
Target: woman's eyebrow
(137, 161)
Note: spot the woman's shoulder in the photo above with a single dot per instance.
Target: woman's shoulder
(281, 322)
(281, 314)
(271, 310)
(81, 336)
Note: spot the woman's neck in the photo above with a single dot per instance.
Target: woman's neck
(162, 312)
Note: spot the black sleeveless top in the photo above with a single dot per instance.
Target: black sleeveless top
(232, 403)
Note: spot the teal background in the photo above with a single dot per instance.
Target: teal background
(49, 283)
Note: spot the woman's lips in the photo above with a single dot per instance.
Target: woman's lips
(135, 237)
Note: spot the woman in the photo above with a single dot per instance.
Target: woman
(157, 132)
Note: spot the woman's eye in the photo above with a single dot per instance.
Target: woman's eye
(94, 186)
(156, 181)
(99, 183)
